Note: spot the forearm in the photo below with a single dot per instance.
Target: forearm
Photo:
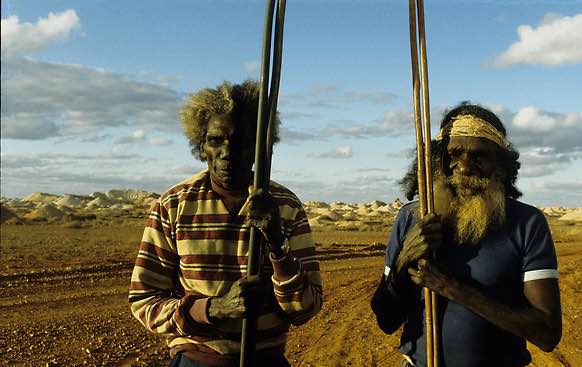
(525, 321)
(297, 290)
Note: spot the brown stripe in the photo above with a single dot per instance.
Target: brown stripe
(196, 295)
(155, 267)
(300, 215)
(212, 275)
(154, 223)
(193, 186)
(213, 235)
(211, 218)
(302, 229)
(140, 286)
(207, 195)
(159, 252)
(154, 312)
(214, 259)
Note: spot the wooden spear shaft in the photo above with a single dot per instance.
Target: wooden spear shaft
(423, 149)
(267, 113)
(249, 324)
(428, 162)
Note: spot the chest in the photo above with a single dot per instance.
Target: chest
(495, 263)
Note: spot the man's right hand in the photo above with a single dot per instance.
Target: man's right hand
(420, 241)
(245, 294)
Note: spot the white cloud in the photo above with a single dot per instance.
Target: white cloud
(42, 100)
(534, 118)
(135, 137)
(555, 41)
(549, 193)
(533, 128)
(543, 162)
(393, 123)
(160, 141)
(139, 137)
(22, 37)
(548, 141)
(341, 152)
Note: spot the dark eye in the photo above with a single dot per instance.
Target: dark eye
(454, 153)
(214, 140)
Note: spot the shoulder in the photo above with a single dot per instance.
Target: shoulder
(284, 196)
(522, 214)
(523, 209)
(408, 212)
(180, 191)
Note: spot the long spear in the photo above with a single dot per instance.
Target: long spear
(423, 150)
(263, 151)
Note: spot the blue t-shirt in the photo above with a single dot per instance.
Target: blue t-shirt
(520, 251)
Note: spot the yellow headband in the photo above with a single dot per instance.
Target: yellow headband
(473, 126)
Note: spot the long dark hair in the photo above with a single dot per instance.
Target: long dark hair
(509, 158)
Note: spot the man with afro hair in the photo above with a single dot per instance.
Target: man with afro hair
(190, 279)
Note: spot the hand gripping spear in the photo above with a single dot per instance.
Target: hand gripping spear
(425, 192)
(263, 151)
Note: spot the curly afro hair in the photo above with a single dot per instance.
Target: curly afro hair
(241, 101)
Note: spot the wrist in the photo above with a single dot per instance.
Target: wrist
(212, 309)
(279, 252)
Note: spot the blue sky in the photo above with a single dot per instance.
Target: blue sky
(91, 90)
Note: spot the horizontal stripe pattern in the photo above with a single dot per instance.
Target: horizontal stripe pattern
(193, 248)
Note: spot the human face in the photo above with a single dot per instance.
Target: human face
(471, 156)
(229, 151)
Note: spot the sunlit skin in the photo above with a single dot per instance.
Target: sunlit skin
(472, 156)
(229, 152)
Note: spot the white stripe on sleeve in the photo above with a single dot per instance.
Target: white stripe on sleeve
(540, 274)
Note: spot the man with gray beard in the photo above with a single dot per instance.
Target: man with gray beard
(489, 258)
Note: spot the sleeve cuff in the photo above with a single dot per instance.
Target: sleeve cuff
(284, 268)
(540, 274)
(199, 311)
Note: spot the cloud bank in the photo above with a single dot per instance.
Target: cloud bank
(555, 41)
(19, 37)
(41, 100)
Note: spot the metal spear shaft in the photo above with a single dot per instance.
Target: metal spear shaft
(423, 149)
(263, 150)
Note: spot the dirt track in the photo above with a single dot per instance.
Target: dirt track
(79, 316)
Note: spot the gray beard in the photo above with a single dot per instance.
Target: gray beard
(469, 206)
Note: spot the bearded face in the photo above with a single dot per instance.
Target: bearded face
(471, 200)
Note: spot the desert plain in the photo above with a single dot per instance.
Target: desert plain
(66, 263)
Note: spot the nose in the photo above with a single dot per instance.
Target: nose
(226, 150)
(464, 166)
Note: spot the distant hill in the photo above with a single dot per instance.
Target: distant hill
(41, 206)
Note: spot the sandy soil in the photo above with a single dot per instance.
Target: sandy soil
(63, 300)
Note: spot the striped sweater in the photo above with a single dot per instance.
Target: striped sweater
(193, 248)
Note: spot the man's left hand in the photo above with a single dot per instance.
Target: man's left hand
(264, 215)
(429, 274)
